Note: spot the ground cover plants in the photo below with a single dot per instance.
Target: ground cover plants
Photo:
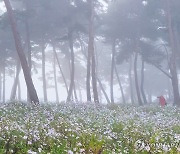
(84, 128)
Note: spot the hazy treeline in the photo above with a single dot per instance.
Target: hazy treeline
(114, 50)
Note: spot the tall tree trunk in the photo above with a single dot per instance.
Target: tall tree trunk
(0, 86)
(55, 78)
(142, 83)
(14, 88)
(112, 70)
(173, 69)
(44, 71)
(104, 92)
(130, 81)
(120, 85)
(29, 57)
(29, 83)
(61, 71)
(136, 79)
(19, 90)
(89, 55)
(70, 93)
(75, 94)
(80, 92)
(4, 83)
(91, 41)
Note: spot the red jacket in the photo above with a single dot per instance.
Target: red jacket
(162, 101)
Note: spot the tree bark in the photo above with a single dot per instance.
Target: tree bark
(90, 48)
(142, 83)
(14, 88)
(130, 81)
(94, 81)
(29, 56)
(120, 85)
(4, 83)
(0, 86)
(104, 92)
(44, 71)
(173, 69)
(29, 83)
(61, 71)
(70, 93)
(55, 77)
(112, 70)
(136, 79)
(75, 94)
(19, 90)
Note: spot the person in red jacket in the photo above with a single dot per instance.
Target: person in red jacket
(162, 101)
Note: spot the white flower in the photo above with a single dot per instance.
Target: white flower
(70, 152)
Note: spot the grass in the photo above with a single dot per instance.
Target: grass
(83, 128)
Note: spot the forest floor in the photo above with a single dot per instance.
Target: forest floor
(83, 128)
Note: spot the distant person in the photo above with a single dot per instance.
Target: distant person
(162, 100)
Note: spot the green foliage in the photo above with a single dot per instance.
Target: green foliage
(63, 128)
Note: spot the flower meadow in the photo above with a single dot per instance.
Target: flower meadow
(83, 128)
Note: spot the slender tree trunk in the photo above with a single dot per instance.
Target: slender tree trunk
(55, 78)
(29, 83)
(112, 70)
(173, 69)
(136, 79)
(104, 92)
(61, 71)
(29, 51)
(94, 81)
(19, 90)
(14, 88)
(75, 94)
(70, 93)
(80, 92)
(142, 83)
(90, 48)
(120, 85)
(4, 83)
(130, 81)
(0, 86)
(44, 72)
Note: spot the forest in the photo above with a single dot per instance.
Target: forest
(89, 76)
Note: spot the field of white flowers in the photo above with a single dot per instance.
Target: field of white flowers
(83, 129)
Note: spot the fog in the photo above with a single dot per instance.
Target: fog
(104, 52)
(89, 76)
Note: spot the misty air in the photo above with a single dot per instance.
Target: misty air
(89, 76)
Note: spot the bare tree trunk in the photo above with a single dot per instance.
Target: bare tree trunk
(136, 79)
(142, 83)
(19, 90)
(14, 88)
(173, 69)
(104, 92)
(70, 93)
(75, 94)
(120, 85)
(94, 81)
(30, 86)
(112, 70)
(4, 83)
(0, 86)
(80, 93)
(55, 78)
(130, 81)
(44, 72)
(64, 79)
(29, 50)
(90, 48)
